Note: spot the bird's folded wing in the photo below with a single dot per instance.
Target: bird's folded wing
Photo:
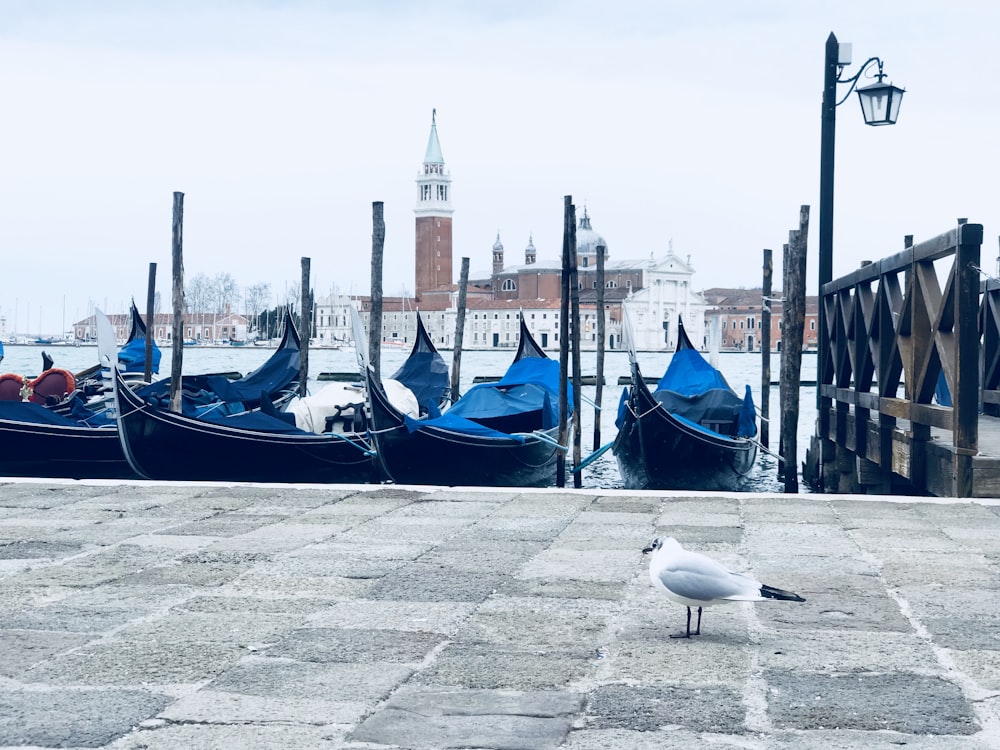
(709, 585)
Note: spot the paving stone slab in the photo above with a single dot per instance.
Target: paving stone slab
(259, 736)
(472, 554)
(355, 645)
(20, 650)
(226, 524)
(421, 718)
(221, 708)
(565, 588)
(583, 565)
(432, 617)
(513, 529)
(541, 622)
(471, 664)
(121, 662)
(705, 708)
(77, 718)
(829, 651)
(333, 681)
(900, 702)
(426, 582)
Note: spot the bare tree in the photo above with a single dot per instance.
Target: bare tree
(226, 291)
(256, 299)
(199, 294)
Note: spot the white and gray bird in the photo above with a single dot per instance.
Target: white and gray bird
(695, 580)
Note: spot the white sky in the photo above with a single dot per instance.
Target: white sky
(283, 120)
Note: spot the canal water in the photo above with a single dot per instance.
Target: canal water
(740, 368)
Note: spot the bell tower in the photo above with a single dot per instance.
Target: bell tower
(433, 220)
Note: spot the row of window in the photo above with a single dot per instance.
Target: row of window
(509, 285)
(440, 194)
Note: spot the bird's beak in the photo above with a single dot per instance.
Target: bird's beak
(647, 550)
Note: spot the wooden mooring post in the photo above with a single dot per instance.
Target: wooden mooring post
(305, 324)
(375, 316)
(147, 370)
(177, 271)
(599, 367)
(574, 300)
(456, 360)
(569, 222)
(793, 313)
(765, 350)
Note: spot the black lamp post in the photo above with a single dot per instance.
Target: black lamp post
(880, 106)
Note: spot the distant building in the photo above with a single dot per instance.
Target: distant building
(656, 291)
(203, 328)
(738, 316)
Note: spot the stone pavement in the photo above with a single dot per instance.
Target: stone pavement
(166, 616)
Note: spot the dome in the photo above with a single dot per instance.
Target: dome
(587, 239)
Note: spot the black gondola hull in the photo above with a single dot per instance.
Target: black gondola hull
(163, 445)
(655, 451)
(44, 450)
(658, 450)
(442, 457)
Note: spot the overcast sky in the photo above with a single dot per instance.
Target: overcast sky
(696, 124)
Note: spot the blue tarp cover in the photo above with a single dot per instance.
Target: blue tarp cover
(132, 356)
(25, 411)
(694, 390)
(530, 387)
(254, 420)
(425, 373)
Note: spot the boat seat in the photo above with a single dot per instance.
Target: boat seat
(10, 386)
(52, 386)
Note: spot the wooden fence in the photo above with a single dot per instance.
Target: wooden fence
(900, 331)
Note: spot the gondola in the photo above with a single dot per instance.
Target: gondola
(254, 446)
(498, 434)
(75, 439)
(692, 433)
(63, 429)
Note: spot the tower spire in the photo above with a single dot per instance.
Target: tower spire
(433, 220)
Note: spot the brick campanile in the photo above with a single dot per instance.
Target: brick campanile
(433, 217)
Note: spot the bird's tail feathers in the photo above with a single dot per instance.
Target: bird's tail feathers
(769, 592)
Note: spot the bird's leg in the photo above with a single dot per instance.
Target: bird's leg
(688, 633)
(698, 630)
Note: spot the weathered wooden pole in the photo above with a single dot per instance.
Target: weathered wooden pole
(306, 329)
(564, 339)
(600, 346)
(765, 350)
(456, 360)
(375, 319)
(574, 298)
(793, 324)
(177, 257)
(147, 371)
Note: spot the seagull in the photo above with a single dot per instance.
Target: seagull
(695, 580)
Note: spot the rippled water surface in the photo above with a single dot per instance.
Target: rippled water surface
(739, 368)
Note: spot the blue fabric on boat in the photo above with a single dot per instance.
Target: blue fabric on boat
(689, 374)
(254, 420)
(424, 372)
(132, 356)
(26, 411)
(622, 407)
(455, 423)
(748, 416)
(942, 394)
(525, 399)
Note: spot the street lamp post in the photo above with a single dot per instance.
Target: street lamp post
(880, 106)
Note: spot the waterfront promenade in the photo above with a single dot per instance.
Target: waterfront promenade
(161, 616)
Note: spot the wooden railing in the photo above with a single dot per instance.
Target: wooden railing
(989, 322)
(895, 327)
